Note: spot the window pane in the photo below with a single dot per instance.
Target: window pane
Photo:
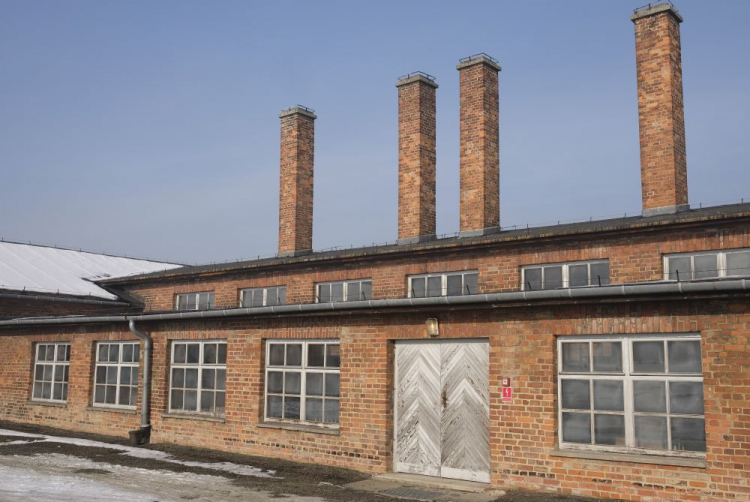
(209, 379)
(114, 353)
(316, 355)
(455, 283)
(314, 410)
(738, 263)
(98, 394)
(688, 434)
(191, 378)
(291, 407)
(37, 390)
(435, 286)
(127, 353)
(470, 284)
(193, 353)
(609, 395)
(39, 373)
(337, 292)
(41, 352)
(576, 427)
(600, 273)
(182, 302)
(576, 395)
(679, 268)
(110, 394)
(533, 279)
(207, 401)
(125, 376)
(333, 355)
(314, 384)
(272, 297)
(190, 402)
(324, 293)
(124, 399)
(178, 377)
(103, 352)
(275, 382)
(331, 411)
(578, 275)
(112, 375)
(51, 352)
(220, 402)
(649, 396)
(576, 357)
(418, 287)
(609, 429)
(136, 353)
(179, 353)
(292, 382)
(209, 353)
(101, 374)
(276, 355)
(706, 266)
(257, 298)
(332, 384)
(48, 372)
(684, 357)
(274, 406)
(222, 356)
(648, 357)
(553, 277)
(367, 290)
(176, 403)
(686, 398)
(608, 356)
(294, 354)
(221, 379)
(352, 292)
(59, 372)
(190, 302)
(651, 432)
(282, 295)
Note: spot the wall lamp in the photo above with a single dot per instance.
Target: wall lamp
(432, 327)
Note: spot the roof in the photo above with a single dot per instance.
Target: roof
(492, 236)
(43, 269)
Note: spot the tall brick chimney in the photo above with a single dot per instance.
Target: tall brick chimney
(480, 144)
(416, 157)
(296, 190)
(661, 114)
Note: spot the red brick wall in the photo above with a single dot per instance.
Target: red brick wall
(523, 433)
(661, 114)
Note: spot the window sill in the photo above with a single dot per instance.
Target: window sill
(112, 410)
(47, 403)
(186, 416)
(298, 427)
(628, 457)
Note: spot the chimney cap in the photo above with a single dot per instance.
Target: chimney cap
(653, 9)
(476, 59)
(302, 110)
(417, 76)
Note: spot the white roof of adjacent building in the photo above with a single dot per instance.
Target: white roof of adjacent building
(42, 269)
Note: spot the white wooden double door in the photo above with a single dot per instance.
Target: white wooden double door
(442, 411)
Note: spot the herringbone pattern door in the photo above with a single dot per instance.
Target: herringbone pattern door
(442, 409)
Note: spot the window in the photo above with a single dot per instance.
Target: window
(199, 375)
(195, 301)
(51, 372)
(344, 291)
(263, 297)
(565, 275)
(116, 375)
(708, 265)
(302, 381)
(634, 394)
(448, 284)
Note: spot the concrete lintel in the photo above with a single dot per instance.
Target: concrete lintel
(416, 240)
(651, 10)
(416, 78)
(658, 211)
(480, 59)
(302, 110)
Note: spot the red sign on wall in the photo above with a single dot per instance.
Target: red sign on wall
(507, 394)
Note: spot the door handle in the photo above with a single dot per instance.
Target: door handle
(444, 398)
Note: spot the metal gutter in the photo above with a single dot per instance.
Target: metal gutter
(14, 296)
(594, 292)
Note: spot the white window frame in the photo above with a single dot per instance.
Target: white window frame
(721, 263)
(197, 295)
(627, 376)
(250, 291)
(64, 364)
(303, 369)
(200, 366)
(565, 272)
(345, 287)
(134, 367)
(444, 283)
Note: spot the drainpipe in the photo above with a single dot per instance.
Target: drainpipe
(143, 435)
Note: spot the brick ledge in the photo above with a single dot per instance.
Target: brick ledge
(628, 457)
(185, 416)
(298, 427)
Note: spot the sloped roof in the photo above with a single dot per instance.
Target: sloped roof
(42, 269)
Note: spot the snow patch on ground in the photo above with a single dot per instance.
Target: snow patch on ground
(242, 470)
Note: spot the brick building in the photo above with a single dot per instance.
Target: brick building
(607, 358)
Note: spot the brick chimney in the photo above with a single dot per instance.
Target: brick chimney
(296, 187)
(661, 114)
(480, 144)
(416, 157)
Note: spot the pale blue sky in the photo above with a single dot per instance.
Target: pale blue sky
(151, 128)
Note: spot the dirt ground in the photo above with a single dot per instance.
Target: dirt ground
(275, 478)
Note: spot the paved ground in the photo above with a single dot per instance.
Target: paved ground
(44, 465)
